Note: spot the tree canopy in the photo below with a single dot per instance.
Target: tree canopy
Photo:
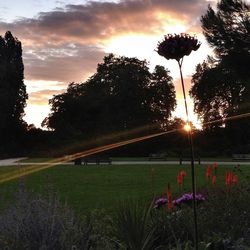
(12, 89)
(221, 84)
(121, 95)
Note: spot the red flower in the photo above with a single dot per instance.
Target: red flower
(180, 177)
(169, 197)
(209, 171)
(183, 173)
(215, 165)
(214, 180)
(235, 179)
(179, 180)
(229, 178)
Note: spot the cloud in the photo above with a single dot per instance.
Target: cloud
(65, 44)
(95, 22)
(71, 62)
(42, 97)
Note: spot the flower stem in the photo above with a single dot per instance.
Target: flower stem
(183, 88)
(190, 138)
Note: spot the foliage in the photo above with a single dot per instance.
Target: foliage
(12, 89)
(221, 85)
(39, 223)
(223, 218)
(132, 226)
(122, 95)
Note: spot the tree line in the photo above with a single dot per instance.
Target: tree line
(124, 96)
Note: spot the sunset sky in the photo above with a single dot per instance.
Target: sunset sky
(64, 40)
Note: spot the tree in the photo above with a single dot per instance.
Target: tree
(217, 93)
(228, 32)
(12, 89)
(221, 85)
(121, 95)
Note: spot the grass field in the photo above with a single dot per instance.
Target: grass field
(218, 159)
(95, 187)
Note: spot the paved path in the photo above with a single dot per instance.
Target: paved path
(11, 161)
(15, 162)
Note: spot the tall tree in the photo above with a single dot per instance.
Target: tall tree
(12, 89)
(121, 95)
(221, 85)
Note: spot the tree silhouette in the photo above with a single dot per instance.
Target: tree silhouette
(12, 89)
(221, 85)
(121, 95)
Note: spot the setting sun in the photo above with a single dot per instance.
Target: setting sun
(187, 127)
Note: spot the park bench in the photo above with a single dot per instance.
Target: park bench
(155, 157)
(241, 157)
(86, 160)
(196, 159)
(104, 160)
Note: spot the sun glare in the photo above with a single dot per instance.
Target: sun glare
(36, 113)
(132, 45)
(187, 127)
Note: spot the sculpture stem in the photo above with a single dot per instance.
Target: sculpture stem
(190, 138)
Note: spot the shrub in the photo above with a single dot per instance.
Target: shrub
(38, 223)
(132, 226)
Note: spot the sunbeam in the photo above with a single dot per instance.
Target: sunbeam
(61, 160)
(228, 119)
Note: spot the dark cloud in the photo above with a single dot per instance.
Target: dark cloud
(72, 62)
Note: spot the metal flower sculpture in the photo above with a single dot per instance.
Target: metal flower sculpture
(176, 47)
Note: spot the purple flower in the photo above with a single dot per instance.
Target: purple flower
(188, 199)
(160, 202)
(177, 46)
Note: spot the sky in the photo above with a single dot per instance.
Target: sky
(63, 41)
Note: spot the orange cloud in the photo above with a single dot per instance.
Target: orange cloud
(42, 97)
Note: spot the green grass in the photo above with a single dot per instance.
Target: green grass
(35, 160)
(41, 160)
(89, 187)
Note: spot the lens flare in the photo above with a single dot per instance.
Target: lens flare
(187, 127)
(58, 161)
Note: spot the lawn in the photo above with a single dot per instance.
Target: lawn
(95, 187)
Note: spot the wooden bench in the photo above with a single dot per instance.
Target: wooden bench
(196, 159)
(78, 161)
(241, 157)
(98, 161)
(104, 160)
